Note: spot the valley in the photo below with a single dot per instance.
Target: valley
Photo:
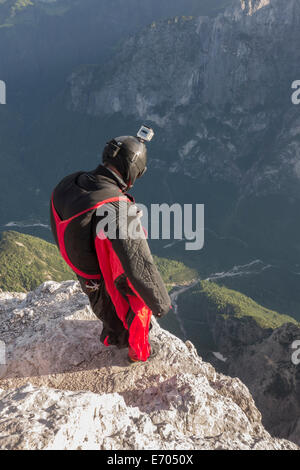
(217, 81)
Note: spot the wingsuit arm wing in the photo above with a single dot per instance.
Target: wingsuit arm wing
(138, 264)
(139, 267)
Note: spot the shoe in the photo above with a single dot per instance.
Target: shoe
(134, 360)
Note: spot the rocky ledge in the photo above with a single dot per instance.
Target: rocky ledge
(62, 389)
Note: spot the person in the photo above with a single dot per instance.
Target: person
(115, 269)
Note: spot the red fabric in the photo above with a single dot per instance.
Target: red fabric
(61, 226)
(106, 341)
(111, 269)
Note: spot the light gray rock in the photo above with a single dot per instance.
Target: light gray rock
(62, 389)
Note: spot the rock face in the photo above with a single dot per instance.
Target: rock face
(263, 361)
(78, 394)
(241, 342)
(232, 69)
(41, 42)
(218, 91)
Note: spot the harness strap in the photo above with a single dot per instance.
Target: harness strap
(61, 226)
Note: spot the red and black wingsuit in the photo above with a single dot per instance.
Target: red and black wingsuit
(117, 273)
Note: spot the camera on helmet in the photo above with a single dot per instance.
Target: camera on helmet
(145, 134)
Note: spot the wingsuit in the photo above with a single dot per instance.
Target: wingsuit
(115, 270)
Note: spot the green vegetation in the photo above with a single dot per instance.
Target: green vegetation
(26, 262)
(226, 302)
(203, 302)
(276, 289)
(174, 272)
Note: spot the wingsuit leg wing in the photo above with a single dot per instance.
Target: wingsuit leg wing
(130, 308)
(113, 333)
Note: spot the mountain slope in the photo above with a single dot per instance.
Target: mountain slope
(41, 42)
(213, 298)
(26, 261)
(245, 340)
(211, 313)
(174, 272)
(218, 92)
(226, 130)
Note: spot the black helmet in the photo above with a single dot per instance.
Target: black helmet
(128, 155)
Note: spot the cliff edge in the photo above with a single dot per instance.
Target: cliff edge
(62, 389)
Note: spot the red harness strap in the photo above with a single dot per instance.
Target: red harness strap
(61, 226)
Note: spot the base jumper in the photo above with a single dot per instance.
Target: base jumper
(116, 272)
